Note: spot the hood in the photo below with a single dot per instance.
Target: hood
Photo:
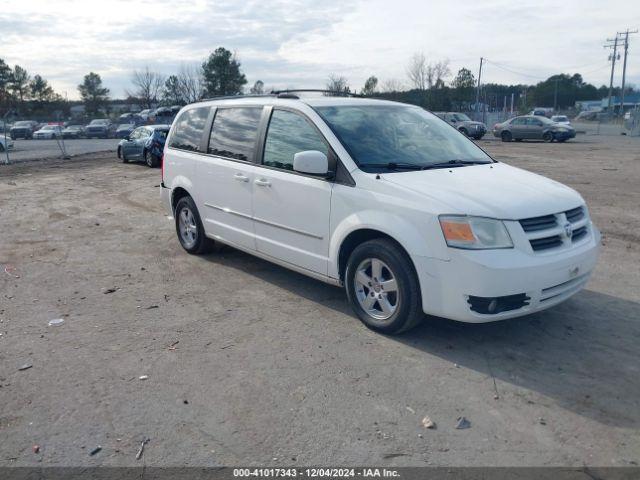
(494, 190)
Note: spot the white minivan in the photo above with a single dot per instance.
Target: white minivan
(383, 198)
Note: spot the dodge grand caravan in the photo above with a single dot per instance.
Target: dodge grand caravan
(383, 198)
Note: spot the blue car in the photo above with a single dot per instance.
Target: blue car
(144, 143)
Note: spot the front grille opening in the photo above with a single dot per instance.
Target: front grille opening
(575, 214)
(538, 223)
(545, 243)
(493, 305)
(579, 233)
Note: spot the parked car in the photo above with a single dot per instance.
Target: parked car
(533, 127)
(542, 112)
(562, 119)
(100, 128)
(5, 144)
(124, 130)
(48, 132)
(23, 129)
(144, 143)
(464, 124)
(130, 118)
(144, 114)
(73, 131)
(380, 197)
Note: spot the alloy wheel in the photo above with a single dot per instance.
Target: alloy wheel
(187, 227)
(376, 290)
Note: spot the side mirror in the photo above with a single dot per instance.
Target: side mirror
(312, 162)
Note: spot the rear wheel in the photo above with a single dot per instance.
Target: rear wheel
(506, 136)
(189, 227)
(382, 287)
(547, 137)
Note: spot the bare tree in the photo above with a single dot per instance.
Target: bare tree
(338, 83)
(191, 83)
(147, 87)
(392, 85)
(418, 71)
(441, 71)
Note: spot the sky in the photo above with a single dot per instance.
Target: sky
(299, 43)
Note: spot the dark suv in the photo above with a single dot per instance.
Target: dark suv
(23, 129)
(100, 128)
(464, 124)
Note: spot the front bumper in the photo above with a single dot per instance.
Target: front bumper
(546, 279)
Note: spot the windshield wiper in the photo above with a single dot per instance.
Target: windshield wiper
(455, 163)
(393, 166)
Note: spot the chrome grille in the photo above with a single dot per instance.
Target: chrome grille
(538, 223)
(554, 227)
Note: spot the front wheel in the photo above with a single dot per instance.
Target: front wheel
(189, 227)
(150, 159)
(506, 136)
(547, 137)
(382, 287)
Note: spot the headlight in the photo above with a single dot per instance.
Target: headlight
(474, 233)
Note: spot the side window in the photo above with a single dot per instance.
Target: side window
(135, 134)
(534, 121)
(234, 132)
(518, 121)
(188, 129)
(288, 134)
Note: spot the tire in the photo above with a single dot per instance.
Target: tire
(1, 147)
(464, 132)
(403, 309)
(149, 159)
(547, 137)
(478, 137)
(506, 136)
(119, 152)
(124, 157)
(192, 239)
(518, 139)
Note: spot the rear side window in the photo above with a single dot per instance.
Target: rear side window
(234, 132)
(288, 134)
(189, 128)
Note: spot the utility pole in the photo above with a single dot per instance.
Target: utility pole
(624, 66)
(478, 89)
(613, 66)
(512, 103)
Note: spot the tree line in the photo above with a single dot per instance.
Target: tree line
(429, 84)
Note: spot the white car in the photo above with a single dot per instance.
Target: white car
(383, 198)
(48, 132)
(5, 143)
(562, 119)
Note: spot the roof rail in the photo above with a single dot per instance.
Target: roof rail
(330, 93)
(225, 97)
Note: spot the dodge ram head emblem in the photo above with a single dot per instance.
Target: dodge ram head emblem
(568, 231)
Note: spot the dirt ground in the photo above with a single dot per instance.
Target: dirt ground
(249, 363)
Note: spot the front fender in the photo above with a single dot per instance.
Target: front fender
(423, 239)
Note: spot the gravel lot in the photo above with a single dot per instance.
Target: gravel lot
(248, 363)
(25, 150)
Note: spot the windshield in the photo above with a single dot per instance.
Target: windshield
(22, 124)
(98, 122)
(461, 117)
(49, 127)
(379, 135)
(560, 118)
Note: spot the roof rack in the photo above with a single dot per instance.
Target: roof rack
(330, 93)
(225, 97)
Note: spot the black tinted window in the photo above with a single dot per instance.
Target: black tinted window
(234, 132)
(189, 128)
(288, 134)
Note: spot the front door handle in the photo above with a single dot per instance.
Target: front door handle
(263, 182)
(241, 178)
